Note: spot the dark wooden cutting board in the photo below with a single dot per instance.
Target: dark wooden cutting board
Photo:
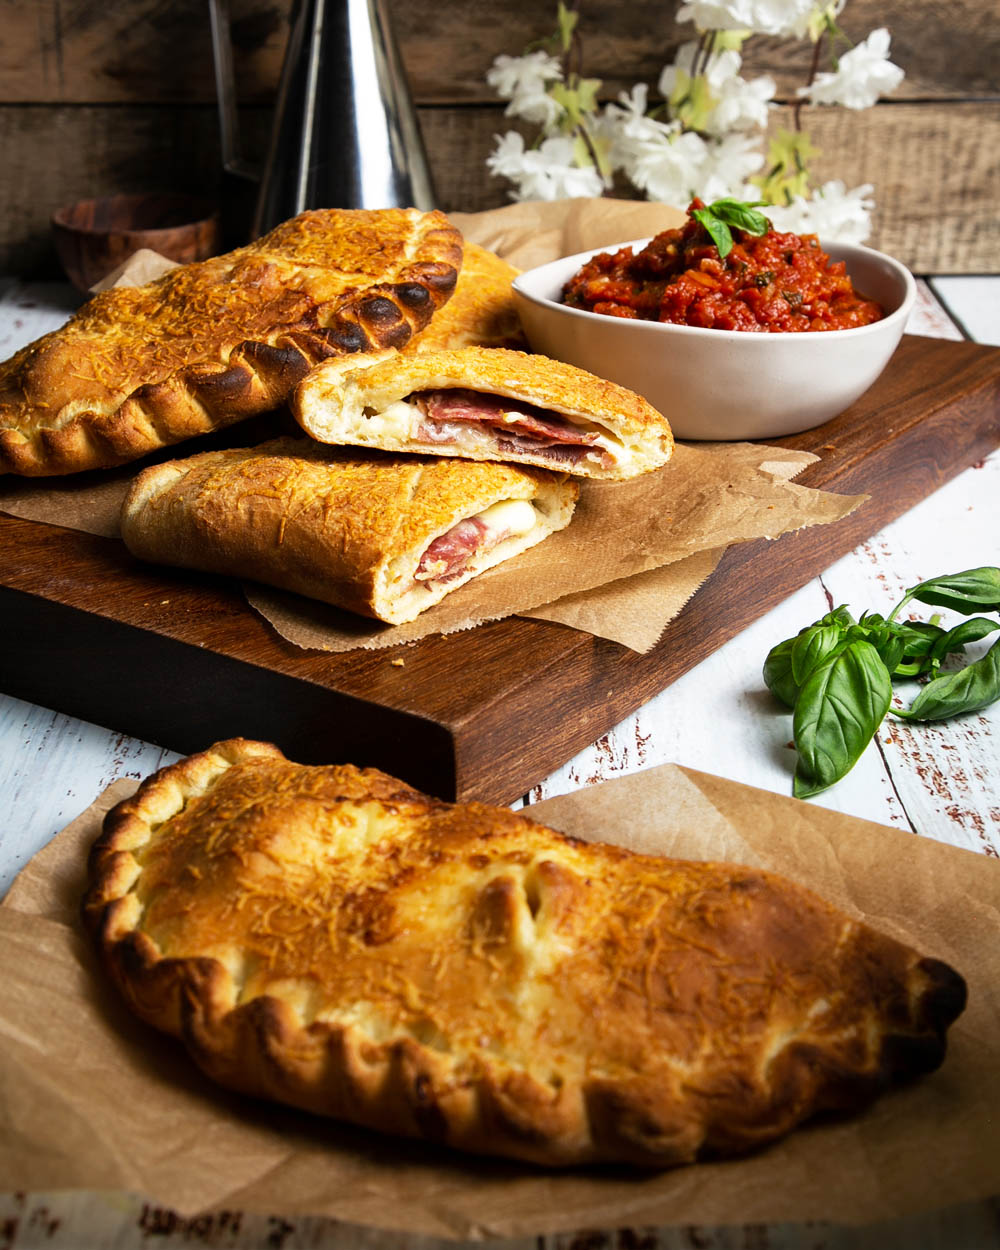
(180, 659)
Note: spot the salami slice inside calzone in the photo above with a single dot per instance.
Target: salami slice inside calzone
(485, 404)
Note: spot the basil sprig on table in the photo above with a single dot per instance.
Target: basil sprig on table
(837, 673)
(722, 216)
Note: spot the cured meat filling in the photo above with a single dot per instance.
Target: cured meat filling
(514, 426)
(450, 555)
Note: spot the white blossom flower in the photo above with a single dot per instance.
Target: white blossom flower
(761, 17)
(628, 132)
(739, 104)
(537, 107)
(743, 105)
(657, 157)
(530, 74)
(729, 162)
(833, 212)
(862, 75)
(543, 173)
(721, 67)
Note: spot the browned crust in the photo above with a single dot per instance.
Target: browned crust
(313, 519)
(211, 343)
(330, 938)
(482, 312)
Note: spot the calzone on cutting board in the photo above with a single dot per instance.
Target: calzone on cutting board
(485, 404)
(208, 344)
(383, 536)
(331, 938)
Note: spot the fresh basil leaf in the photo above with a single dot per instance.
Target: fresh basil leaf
(837, 713)
(957, 639)
(975, 590)
(919, 637)
(718, 231)
(839, 616)
(741, 214)
(969, 690)
(778, 673)
(812, 648)
(790, 663)
(890, 648)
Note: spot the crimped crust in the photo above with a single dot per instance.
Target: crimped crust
(211, 343)
(482, 312)
(348, 529)
(336, 400)
(330, 938)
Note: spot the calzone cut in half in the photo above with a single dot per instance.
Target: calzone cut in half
(485, 404)
(207, 344)
(330, 938)
(386, 537)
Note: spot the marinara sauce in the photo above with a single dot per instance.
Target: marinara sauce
(767, 283)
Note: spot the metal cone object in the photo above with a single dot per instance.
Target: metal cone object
(345, 131)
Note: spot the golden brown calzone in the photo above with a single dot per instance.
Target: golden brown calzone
(331, 938)
(382, 536)
(208, 344)
(485, 404)
(482, 311)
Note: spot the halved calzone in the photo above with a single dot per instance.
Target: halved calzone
(382, 536)
(485, 404)
(330, 938)
(208, 344)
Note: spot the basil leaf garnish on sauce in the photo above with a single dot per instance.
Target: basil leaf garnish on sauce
(721, 217)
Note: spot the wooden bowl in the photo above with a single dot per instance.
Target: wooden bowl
(93, 237)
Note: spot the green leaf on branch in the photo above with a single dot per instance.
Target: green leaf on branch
(566, 19)
(730, 40)
(787, 176)
(691, 101)
(578, 101)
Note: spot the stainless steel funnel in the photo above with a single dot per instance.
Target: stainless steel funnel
(345, 131)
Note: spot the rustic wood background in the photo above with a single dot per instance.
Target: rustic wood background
(98, 97)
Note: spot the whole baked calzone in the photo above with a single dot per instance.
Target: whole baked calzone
(330, 938)
(485, 403)
(208, 344)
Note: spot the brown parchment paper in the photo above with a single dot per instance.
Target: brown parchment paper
(92, 1099)
(597, 575)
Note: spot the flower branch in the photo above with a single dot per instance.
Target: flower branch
(705, 134)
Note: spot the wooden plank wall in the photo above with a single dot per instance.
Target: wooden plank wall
(97, 97)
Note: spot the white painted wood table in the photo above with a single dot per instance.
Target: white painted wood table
(939, 781)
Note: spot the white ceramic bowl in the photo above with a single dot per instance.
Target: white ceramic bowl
(724, 384)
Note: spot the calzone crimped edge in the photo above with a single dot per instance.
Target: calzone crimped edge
(207, 344)
(386, 537)
(481, 312)
(485, 404)
(330, 938)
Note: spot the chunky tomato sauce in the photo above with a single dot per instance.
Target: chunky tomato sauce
(774, 282)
